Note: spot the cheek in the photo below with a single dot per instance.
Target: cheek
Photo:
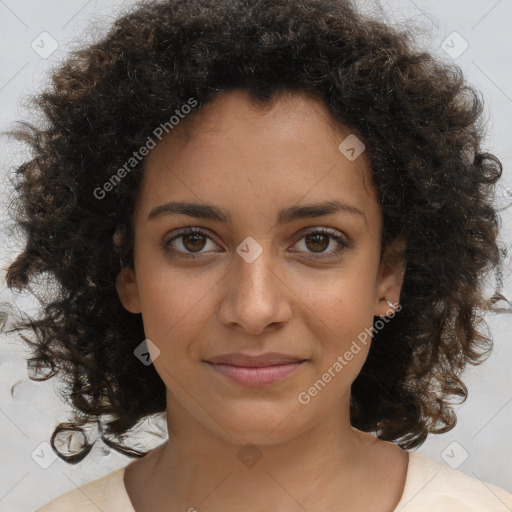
(175, 306)
(344, 300)
(340, 312)
(165, 297)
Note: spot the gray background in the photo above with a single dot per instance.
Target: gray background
(480, 445)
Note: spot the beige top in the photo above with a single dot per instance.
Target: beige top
(429, 486)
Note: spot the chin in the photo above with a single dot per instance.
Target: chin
(265, 426)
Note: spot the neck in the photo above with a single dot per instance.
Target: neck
(200, 469)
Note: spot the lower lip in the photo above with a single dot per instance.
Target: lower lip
(254, 377)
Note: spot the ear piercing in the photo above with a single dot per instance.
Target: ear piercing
(389, 303)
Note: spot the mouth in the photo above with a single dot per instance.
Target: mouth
(254, 371)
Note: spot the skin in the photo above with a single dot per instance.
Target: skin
(253, 163)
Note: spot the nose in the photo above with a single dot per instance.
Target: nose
(255, 297)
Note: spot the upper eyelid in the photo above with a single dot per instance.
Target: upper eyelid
(189, 230)
(301, 234)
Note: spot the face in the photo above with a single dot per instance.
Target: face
(256, 272)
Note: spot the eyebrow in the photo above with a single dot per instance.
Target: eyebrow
(209, 211)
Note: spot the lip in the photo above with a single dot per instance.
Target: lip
(259, 361)
(256, 376)
(255, 371)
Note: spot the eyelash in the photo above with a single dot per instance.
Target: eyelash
(343, 244)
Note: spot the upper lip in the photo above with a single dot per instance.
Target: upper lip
(267, 359)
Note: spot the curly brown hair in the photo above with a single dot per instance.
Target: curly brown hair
(421, 124)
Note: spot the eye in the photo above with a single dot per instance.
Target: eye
(320, 239)
(190, 242)
(189, 239)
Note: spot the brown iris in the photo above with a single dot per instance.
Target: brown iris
(195, 240)
(315, 238)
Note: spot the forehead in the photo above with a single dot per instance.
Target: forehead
(284, 151)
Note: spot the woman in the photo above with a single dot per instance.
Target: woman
(271, 220)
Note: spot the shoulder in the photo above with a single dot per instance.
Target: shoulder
(105, 493)
(433, 486)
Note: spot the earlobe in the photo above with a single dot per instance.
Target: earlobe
(390, 279)
(127, 290)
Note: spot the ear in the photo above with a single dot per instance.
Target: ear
(390, 278)
(127, 290)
